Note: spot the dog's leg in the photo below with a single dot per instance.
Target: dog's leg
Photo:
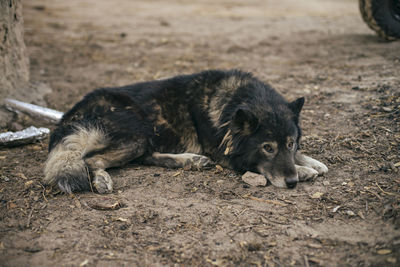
(305, 161)
(193, 161)
(111, 157)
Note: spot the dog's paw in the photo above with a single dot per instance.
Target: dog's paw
(199, 162)
(306, 173)
(307, 161)
(319, 167)
(102, 182)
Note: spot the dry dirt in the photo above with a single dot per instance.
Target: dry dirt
(318, 49)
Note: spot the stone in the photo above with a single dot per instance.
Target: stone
(254, 179)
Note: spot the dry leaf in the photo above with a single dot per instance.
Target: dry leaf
(312, 245)
(99, 206)
(176, 174)
(317, 195)
(28, 183)
(384, 251)
(78, 203)
(84, 263)
(219, 168)
(36, 148)
(12, 205)
(391, 260)
(335, 209)
(21, 175)
(361, 215)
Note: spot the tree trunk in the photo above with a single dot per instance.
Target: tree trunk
(14, 62)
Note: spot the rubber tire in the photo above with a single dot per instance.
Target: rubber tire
(382, 16)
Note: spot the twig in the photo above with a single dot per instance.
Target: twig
(306, 261)
(374, 193)
(273, 221)
(44, 190)
(29, 218)
(269, 201)
(97, 206)
(387, 193)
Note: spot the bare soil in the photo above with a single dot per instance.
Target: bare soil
(318, 49)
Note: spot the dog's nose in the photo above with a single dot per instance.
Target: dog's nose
(291, 182)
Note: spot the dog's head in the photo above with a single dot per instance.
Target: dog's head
(265, 140)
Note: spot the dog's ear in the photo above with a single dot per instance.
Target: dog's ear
(297, 105)
(245, 122)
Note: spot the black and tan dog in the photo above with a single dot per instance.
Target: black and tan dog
(224, 117)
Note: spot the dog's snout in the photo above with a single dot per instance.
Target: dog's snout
(291, 182)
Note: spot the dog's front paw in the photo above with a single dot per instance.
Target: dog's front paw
(307, 161)
(306, 173)
(319, 167)
(102, 182)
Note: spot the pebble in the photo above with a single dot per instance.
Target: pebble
(254, 179)
(350, 213)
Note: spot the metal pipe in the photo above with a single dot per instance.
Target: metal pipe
(47, 114)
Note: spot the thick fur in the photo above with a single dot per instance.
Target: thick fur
(224, 117)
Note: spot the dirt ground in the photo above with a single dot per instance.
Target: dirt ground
(318, 49)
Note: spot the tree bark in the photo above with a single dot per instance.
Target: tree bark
(14, 62)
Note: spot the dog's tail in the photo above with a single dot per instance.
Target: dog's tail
(65, 166)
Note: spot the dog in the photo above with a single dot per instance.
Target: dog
(194, 121)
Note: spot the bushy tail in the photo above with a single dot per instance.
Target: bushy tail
(65, 165)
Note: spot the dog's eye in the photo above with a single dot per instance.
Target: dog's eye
(268, 148)
(290, 145)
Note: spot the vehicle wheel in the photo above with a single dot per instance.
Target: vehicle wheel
(383, 16)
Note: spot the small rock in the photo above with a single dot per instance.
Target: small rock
(350, 213)
(254, 179)
(386, 109)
